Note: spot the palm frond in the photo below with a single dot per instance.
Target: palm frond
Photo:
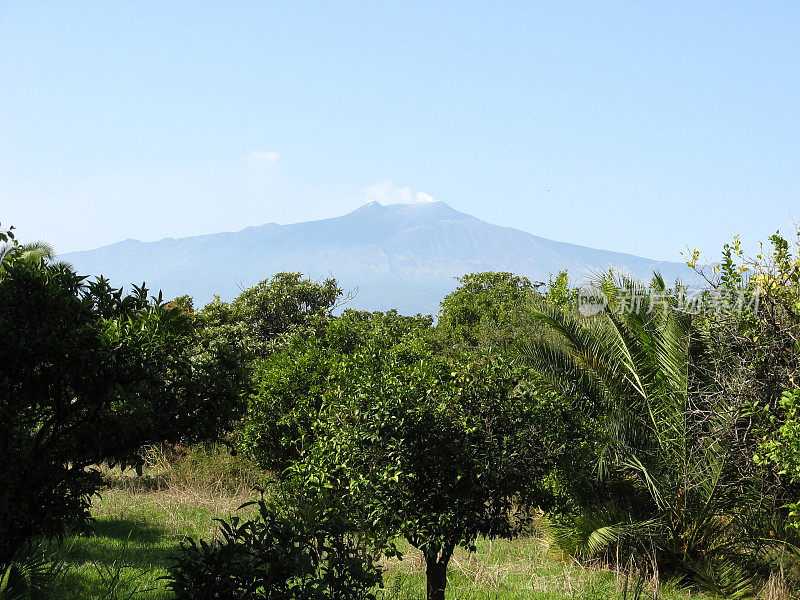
(593, 533)
(32, 575)
(722, 577)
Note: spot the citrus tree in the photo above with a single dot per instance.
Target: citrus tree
(290, 386)
(438, 449)
(89, 374)
(483, 309)
(259, 317)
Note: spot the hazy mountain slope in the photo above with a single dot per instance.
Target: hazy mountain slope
(403, 256)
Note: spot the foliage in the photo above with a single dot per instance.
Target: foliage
(764, 333)
(670, 485)
(483, 308)
(754, 358)
(374, 391)
(32, 574)
(260, 316)
(436, 448)
(487, 315)
(288, 389)
(289, 386)
(9, 244)
(783, 448)
(183, 303)
(87, 375)
(302, 553)
(7, 236)
(559, 293)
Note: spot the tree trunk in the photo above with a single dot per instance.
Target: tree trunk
(436, 576)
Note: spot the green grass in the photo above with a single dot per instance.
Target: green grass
(140, 520)
(137, 530)
(133, 537)
(512, 570)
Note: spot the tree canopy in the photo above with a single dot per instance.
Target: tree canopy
(89, 374)
(439, 449)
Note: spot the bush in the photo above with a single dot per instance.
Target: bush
(298, 554)
(482, 312)
(260, 316)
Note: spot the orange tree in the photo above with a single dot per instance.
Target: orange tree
(88, 375)
(438, 449)
(290, 386)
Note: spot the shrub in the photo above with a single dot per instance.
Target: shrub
(482, 311)
(299, 554)
(33, 574)
(258, 319)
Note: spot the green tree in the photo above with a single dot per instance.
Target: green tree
(260, 316)
(484, 308)
(488, 315)
(438, 449)
(290, 385)
(90, 375)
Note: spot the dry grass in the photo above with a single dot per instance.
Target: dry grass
(180, 484)
(776, 588)
(199, 471)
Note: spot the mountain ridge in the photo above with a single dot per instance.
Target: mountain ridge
(404, 256)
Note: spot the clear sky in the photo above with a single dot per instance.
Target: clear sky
(642, 127)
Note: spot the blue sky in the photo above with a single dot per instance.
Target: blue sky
(634, 126)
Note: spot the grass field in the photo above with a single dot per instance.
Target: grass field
(139, 523)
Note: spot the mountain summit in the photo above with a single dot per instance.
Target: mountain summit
(404, 256)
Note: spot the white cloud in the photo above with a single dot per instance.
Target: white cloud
(267, 157)
(386, 192)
